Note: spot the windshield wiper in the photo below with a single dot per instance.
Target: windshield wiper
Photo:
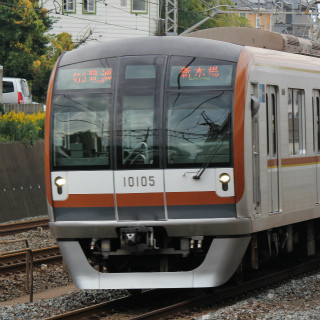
(206, 164)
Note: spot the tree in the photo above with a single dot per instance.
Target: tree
(22, 33)
(192, 11)
(43, 65)
(26, 49)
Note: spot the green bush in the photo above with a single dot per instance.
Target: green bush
(20, 127)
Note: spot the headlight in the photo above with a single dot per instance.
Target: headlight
(224, 178)
(59, 182)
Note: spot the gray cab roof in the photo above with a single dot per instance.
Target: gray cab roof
(185, 46)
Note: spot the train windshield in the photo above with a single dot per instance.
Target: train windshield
(138, 111)
(199, 104)
(199, 128)
(148, 112)
(81, 130)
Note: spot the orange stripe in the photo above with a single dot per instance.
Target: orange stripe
(287, 162)
(299, 161)
(47, 134)
(273, 163)
(196, 198)
(242, 78)
(140, 200)
(86, 200)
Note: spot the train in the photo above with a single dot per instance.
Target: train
(179, 162)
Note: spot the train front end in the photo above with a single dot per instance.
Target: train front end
(140, 164)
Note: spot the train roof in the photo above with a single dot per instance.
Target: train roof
(172, 45)
(284, 60)
(260, 38)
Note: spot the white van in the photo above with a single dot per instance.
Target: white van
(16, 90)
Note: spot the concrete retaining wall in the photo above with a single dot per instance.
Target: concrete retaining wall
(22, 185)
(26, 108)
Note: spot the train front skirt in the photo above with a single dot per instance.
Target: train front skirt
(217, 268)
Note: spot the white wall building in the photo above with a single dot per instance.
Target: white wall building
(102, 20)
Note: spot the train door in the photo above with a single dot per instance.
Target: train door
(255, 149)
(139, 187)
(316, 117)
(273, 157)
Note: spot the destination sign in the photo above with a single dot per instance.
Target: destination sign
(202, 75)
(88, 78)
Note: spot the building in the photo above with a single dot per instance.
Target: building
(279, 16)
(102, 20)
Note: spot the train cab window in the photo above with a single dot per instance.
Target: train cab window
(199, 104)
(199, 128)
(81, 130)
(138, 115)
(296, 121)
(81, 105)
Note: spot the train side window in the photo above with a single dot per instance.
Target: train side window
(317, 123)
(296, 121)
(267, 123)
(274, 124)
(272, 121)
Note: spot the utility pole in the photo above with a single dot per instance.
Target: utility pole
(171, 17)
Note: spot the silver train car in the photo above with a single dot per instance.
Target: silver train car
(173, 162)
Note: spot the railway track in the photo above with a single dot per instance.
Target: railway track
(16, 227)
(157, 304)
(13, 262)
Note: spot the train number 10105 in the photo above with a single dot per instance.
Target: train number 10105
(142, 181)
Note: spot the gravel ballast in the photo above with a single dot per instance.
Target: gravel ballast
(298, 298)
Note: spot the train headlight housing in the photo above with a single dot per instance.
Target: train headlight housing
(224, 178)
(59, 182)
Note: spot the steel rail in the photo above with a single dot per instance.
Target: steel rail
(227, 292)
(205, 298)
(15, 260)
(15, 227)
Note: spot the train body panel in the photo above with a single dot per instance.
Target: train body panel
(287, 182)
(166, 156)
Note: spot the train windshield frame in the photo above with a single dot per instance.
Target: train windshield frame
(143, 112)
(199, 100)
(81, 119)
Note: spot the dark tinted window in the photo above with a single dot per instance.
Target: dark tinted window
(7, 86)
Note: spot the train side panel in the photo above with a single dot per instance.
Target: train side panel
(281, 183)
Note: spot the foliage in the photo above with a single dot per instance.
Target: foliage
(193, 11)
(26, 49)
(22, 33)
(22, 127)
(43, 65)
